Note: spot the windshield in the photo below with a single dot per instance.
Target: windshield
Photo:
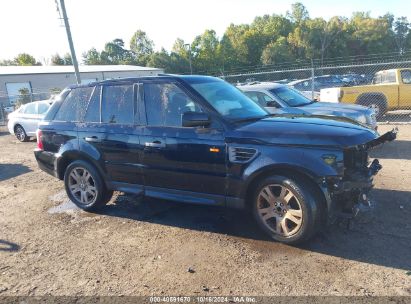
(291, 97)
(227, 100)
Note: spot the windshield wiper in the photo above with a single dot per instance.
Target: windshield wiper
(252, 118)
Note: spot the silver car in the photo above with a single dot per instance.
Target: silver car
(281, 99)
(24, 121)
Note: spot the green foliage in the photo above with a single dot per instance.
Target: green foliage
(58, 60)
(25, 59)
(269, 39)
(141, 46)
(23, 98)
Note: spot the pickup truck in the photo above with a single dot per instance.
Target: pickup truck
(390, 90)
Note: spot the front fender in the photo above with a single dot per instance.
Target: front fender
(306, 161)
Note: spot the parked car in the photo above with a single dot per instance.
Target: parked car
(390, 90)
(280, 99)
(198, 139)
(352, 79)
(24, 121)
(320, 82)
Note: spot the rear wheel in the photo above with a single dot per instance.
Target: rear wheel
(85, 187)
(20, 133)
(287, 209)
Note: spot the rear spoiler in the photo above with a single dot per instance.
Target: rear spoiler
(389, 136)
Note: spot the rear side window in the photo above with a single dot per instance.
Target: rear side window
(390, 77)
(43, 107)
(74, 105)
(93, 107)
(117, 105)
(30, 109)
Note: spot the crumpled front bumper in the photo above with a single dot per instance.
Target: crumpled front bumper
(348, 195)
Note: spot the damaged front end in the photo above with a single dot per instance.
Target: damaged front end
(348, 193)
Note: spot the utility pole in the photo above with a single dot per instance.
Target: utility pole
(188, 46)
(70, 41)
(312, 79)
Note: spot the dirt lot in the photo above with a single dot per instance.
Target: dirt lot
(142, 247)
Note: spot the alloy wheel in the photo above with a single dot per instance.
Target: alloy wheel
(280, 210)
(82, 186)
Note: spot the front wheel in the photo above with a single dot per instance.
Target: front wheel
(287, 209)
(85, 187)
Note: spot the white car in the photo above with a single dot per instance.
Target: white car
(24, 121)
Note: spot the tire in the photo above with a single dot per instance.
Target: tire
(272, 211)
(20, 133)
(85, 187)
(376, 102)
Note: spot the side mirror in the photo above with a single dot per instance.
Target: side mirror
(196, 119)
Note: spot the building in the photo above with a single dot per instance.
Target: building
(42, 81)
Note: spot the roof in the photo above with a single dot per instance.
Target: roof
(192, 79)
(56, 69)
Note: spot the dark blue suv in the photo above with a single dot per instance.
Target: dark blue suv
(198, 139)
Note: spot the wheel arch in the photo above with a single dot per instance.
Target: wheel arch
(363, 98)
(72, 155)
(289, 171)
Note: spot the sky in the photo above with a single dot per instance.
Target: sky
(34, 27)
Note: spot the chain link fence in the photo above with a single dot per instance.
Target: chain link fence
(384, 85)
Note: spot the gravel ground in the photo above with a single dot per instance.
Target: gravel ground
(144, 247)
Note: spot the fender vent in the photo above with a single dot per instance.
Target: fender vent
(241, 155)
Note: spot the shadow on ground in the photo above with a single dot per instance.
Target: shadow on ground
(384, 240)
(397, 149)
(8, 171)
(396, 116)
(8, 246)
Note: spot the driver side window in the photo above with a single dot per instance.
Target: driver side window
(166, 103)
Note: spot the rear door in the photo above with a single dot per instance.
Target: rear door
(110, 133)
(29, 119)
(180, 163)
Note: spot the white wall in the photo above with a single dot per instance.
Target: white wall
(42, 83)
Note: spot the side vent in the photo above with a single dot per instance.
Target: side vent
(241, 155)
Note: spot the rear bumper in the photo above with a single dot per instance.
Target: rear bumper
(47, 162)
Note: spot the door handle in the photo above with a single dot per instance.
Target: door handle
(93, 139)
(155, 144)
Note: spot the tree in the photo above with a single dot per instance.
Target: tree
(298, 14)
(67, 59)
(25, 59)
(402, 30)
(141, 46)
(92, 57)
(205, 52)
(23, 97)
(277, 52)
(57, 60)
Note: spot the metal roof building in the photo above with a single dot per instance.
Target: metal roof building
(41, 81)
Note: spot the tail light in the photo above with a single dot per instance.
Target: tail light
(39, 134)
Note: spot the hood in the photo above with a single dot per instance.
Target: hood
(324, 108)
(306, 131)
(337, 107)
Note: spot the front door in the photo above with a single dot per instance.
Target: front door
(180, 163)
